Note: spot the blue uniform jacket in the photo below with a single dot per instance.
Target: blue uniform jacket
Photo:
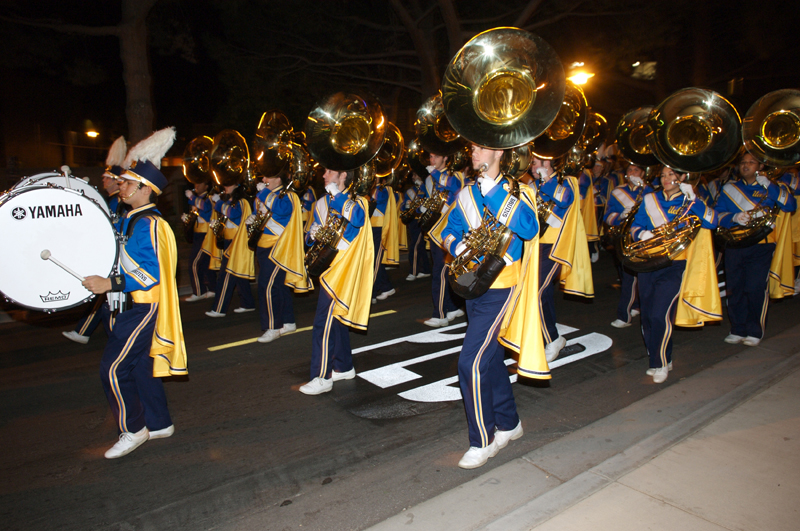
(139, 269)
(670, 207)
(615, 206)
(203, 204)
(752, 194)
(281, 208)
(347, 208)
(560, 194)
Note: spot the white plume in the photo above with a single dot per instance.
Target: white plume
(152, 148)
(116, 154)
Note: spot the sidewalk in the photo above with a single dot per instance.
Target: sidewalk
(719, 450)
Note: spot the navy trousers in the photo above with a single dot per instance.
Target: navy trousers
(88, 324)
(417, 254)
(201, 277)
(136, 398)
(747, 284)
(548, 278)
(628, 297)
(226, 284)
(275, 302)
(440, 289)
(658, 296)
(381, 282)
(482, 373)
(330, 341)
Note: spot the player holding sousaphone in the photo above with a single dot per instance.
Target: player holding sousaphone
(197, 170)
(344, 132)
(493, 220)
(276, 230)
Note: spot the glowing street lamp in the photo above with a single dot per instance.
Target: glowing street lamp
(92, 134)
(580, 78)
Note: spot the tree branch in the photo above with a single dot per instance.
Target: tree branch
(65, 28)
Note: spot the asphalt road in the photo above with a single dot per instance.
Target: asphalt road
(251, 452)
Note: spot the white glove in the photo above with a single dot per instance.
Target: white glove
(486, 184)
(460, 248)
(423, 209)
(215, 197)
(645, 235)
(189, 194)
(184, 217)
(686, 189)
(762, 180)
(625, 213)
(250, 219)
(430, 168)
(260, 186)
(262, 208)
(333, 189)
(636, 181)
(418, 182)
(742, 218)
(542, 174)
(312, 232)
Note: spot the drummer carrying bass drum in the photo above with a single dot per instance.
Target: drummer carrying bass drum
(145, 336)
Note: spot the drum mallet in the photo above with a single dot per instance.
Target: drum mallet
(46, 256)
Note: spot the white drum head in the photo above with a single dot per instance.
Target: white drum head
(58, 179)
(76, 231)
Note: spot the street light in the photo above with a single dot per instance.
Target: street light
(92, 134)
(580, 78)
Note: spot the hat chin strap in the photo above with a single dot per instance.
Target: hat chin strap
(138, 187)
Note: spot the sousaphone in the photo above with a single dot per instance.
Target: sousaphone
(197, 170)
(434, 132)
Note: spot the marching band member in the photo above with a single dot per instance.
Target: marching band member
(748, 270)
(792, 179)
(587, 206)
(115, 162)
(145, 337)
(666, 292)
(385, 240)
(417, 254)
(280, 257)
(623, 198)
(236, 268)
(441, 180)
(308, 201)
(202, 279)
(492, 417)
(563, 250)
(344, 300)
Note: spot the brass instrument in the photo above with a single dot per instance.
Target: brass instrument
(390, 155)
(595, 132)
(567, 128)
(410, 214)
(345, 132)
(631, 135)
(301, 172)
(434, 132)
(693, 130)
(196, 169)
(432, 210)
(230, 160)
(504, 88)
(771, 134)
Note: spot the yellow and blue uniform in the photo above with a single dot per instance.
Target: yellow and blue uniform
(386, 251)
(308, 200)
(438, 182)
(274, 296)
(660, 290)
(145, 342)
(237, 268)
(344, 300)
(622, 198)
(482, 374)
(417, 255)
(201, 277)
(748, 270)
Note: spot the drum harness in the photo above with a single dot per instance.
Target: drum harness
(119, 301)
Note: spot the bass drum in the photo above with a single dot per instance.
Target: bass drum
(58, 179)
(74, 228)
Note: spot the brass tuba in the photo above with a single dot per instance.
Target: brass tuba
(197, 170)
(230, 160)
(771, 134)
(504, 88)
(693, 130)
(344, 132)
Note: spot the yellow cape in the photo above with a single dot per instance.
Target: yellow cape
(390, 235)
(781, 269)
(240, 258)
(401, 227)
(589, 215)
(210, 247)
(349, 278)
(168, 349)
(699, 300)
(288, 253)
(571, 249)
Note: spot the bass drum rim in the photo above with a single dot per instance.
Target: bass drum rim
(13, 193)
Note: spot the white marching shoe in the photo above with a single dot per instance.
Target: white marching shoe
(269, 336)
(635, 312)
(733, 339)
(455, 315)
(411, 278)
(287, 328)
(317, 386)
(651, 371)
(346, 375)
(423, 275)
(619, 323)
(660, 374)
(76, 337)
(127, 443)
(386, 294)
(501, 437)
(243, 310)
(163, 433)
(477, 457)
(213, 313)
(552, 350)
(751, 341)
(435, 322)
(193, 298)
